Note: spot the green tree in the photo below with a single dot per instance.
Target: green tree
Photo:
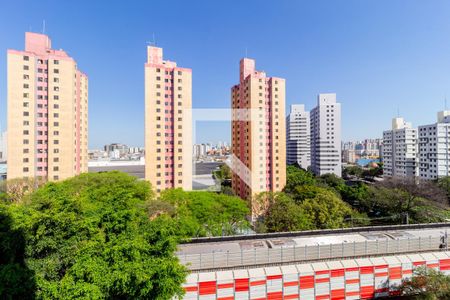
(326, 210)
(354, 194)
(208, 213)
(373, 172)
(224, 172)
(332, 181)
(295, 176)
(444, 183)
(18, 190)
(16, 279)
(90, 237)
(285, 215)
(426, 284)
(352, 171)
(422, 201)
(304, 192)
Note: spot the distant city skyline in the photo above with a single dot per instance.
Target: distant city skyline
(379, 57)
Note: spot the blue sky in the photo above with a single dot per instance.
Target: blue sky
(378, 56)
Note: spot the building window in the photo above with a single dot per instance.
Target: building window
(26, 68)
(27, 58)
(25, 169)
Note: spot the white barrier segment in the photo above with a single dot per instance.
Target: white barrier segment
(321, 279)
(351, 276)
(225, 284)
(257, 283)
(290, 282)
(381, 274)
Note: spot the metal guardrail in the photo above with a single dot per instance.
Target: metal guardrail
(321, 232)
(298, 254)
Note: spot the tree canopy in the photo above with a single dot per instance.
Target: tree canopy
(89, 237)
(326, 210)
(202, 213)
(284, 214)
(296, 176)
(426, 284)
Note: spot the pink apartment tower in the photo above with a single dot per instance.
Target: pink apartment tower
(168, 123)
(47, 112)
(258, 133)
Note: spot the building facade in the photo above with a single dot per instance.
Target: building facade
(298, 137)
(168, 123)
(326, 136)
(399, 151)
(47, 112)
(348, 156)
(372, 147)
(3, 146)
(434, 152)
(258, 132)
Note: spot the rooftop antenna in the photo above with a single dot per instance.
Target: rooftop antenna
(43, 26)
(153, 42)
(246, 52)
(398, 112)
(445, 102)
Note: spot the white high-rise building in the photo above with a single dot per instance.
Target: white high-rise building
(326, 136)
(399, 152)
(434, 152)
(298, 137)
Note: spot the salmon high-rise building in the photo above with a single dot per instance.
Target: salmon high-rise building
(258, 132)
(47, 112)
(168, 123)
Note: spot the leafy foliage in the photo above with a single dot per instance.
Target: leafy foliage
(16, 279)
(19, 189)
(352, 171)
(313, 207)
(326, 210)
(422, 201)
(206, 213)
(284, 215)
(224, 173)
(295, 176)
(89, 237)
(427, 284)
